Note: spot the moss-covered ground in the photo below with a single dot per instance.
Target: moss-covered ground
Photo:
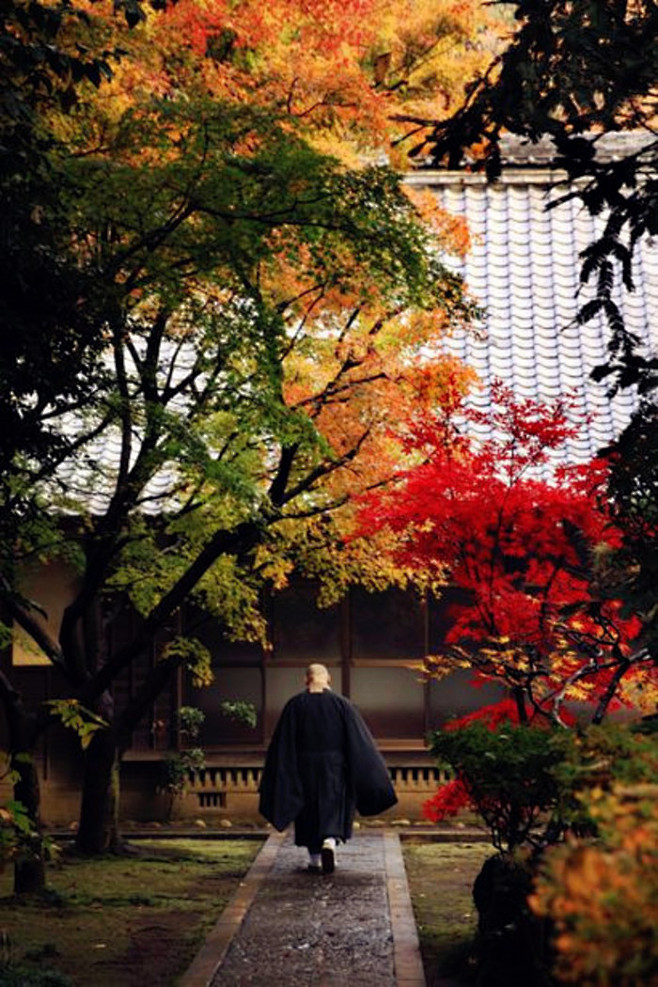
(127, 921)
(441, 877)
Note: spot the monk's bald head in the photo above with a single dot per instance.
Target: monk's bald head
(317, 677)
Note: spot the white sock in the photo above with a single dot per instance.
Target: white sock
(330, 843)
(316, 859)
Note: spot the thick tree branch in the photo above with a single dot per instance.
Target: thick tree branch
(240, 540)
(39, 634)
(277, 491)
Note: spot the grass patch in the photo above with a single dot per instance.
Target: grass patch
(128, 921)
(441, 877)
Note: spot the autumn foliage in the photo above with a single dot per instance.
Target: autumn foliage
(524, 542)
(530, 547)
(265, 299)
(351, 75)
(235, 205)
(339, 71)
(602, 895)
(520, 539)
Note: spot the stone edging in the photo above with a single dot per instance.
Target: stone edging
(211, 954)
(406, 950)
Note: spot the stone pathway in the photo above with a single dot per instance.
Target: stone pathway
(286, 926)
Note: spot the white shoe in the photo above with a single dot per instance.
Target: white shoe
(328, 855)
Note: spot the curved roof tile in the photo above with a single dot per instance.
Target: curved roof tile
(524, 271)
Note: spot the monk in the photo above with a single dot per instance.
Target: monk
(321, 766)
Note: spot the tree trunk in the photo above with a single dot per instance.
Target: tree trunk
(29, 868)
(609, 694)
(519, 698)
(98, 831)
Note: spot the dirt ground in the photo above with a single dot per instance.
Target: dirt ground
(160, 946)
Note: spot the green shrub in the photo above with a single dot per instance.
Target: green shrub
(593, 791)
(509, 775)
(22, 976)
(526, 782)
(178, 768)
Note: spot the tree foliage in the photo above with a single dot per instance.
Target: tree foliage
(340, 71)
(601, 896)
(531, 611)
(215, 231)
(266, 299)
(630, 571)
(46, 318)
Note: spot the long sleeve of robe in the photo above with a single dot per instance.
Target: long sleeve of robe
(321, 765)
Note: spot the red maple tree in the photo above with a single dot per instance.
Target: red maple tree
(520, 537)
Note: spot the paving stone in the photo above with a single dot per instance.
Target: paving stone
(314, 930)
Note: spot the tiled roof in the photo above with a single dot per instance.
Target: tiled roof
(89, 478)
(517, 151)
(520, 151)
(523, 268)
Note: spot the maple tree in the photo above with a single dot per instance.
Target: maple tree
(341, 72)
(531, 613)
(263, 306)
(533, 550)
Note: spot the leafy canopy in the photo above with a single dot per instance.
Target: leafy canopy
(263, 306)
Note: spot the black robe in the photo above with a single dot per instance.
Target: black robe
(321, 765)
